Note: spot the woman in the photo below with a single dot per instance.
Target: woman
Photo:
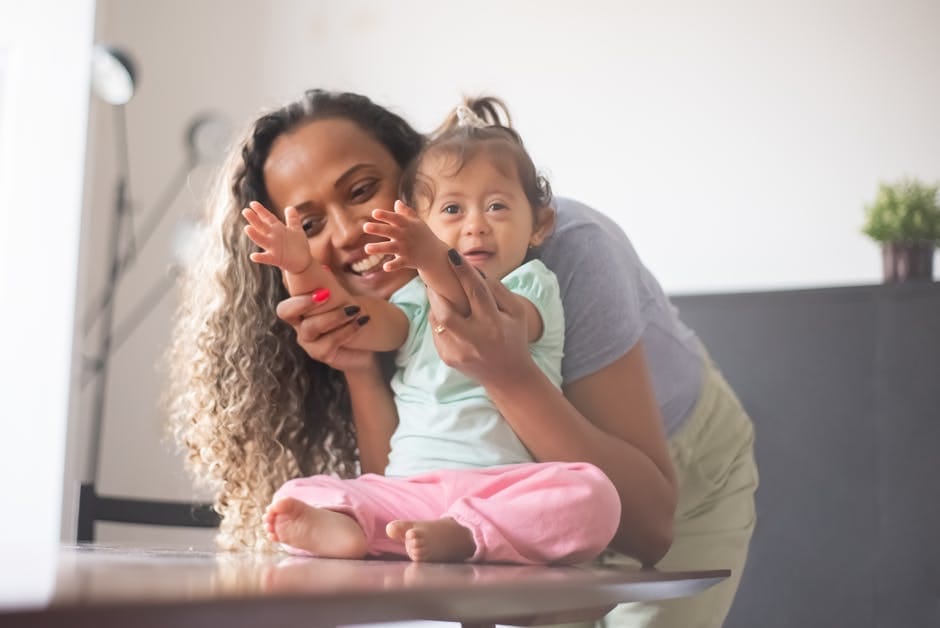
(257, 402)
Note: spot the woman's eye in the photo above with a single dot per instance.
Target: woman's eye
(312, 225)
(362, 192)
(451, 209)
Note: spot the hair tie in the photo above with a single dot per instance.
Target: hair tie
(467, 117)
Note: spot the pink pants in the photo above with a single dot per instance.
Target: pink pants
(533, 513)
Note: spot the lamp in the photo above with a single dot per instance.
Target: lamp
(112, 75)
(114, 79)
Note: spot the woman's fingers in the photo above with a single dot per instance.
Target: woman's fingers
(327, 332)
(478, 292)
(292, 309)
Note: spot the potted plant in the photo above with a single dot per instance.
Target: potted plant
(905, 219)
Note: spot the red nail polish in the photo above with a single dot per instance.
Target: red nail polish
(320, 295)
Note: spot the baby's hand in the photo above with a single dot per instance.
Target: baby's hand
(410, 240)
(284, 246)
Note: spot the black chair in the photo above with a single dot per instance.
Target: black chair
(93, 507)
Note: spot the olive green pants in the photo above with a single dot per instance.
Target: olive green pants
(713, 453)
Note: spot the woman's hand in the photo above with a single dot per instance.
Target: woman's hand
(324, 327)
(489, 345)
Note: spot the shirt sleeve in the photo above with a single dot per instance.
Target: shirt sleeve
(535, 282)
(603, 288)
(412, 299)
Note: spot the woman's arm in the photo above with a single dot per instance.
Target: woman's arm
(324, 334)
(374, 415)
(610, 418)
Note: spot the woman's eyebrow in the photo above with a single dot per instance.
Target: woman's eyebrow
(306, 206)
(350, 173)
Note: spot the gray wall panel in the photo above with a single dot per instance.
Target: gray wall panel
(847, 441)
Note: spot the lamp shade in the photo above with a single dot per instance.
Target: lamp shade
(113, 75)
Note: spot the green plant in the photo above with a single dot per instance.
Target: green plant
(907, 211)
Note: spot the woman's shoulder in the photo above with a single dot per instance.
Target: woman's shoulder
(583, 231)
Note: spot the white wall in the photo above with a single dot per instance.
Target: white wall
(44, 54)
(736, 142)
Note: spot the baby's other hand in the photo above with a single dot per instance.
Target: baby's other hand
(410, 240)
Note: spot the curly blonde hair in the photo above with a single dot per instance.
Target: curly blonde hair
(245, 402)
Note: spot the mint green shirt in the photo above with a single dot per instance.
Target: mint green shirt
(445, 419)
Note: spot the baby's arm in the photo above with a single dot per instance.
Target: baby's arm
(533, 320)
(415, 246)
(285, 246)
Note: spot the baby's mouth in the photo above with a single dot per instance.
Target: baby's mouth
(477, 255)
(368, 265)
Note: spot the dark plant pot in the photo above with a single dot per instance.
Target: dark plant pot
(907, 261)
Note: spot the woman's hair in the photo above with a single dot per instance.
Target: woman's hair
(248, 405)
(460, 142)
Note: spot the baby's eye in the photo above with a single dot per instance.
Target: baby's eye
(451, 209)
(312, 225)
(496, 207)
(363, 191)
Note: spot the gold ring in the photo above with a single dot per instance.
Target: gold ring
(439, 329)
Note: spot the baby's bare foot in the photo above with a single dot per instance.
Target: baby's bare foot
(321, 532)
(438, 540)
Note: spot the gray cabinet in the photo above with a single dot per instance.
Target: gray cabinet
(843, 385)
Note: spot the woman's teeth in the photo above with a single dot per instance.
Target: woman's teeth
(365, 265)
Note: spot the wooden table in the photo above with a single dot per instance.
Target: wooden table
(105, 586)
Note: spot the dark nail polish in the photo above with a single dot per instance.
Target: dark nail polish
(482, 274)
(351, 309)
(362, 321)
(454, 256)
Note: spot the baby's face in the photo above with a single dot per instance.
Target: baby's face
(480, 211)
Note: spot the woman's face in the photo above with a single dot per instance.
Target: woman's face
(335, 174)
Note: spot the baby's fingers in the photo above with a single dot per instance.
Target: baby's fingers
(379, 229)
(263, 257)
(404, 210)
(259, 236)
(392, 218)
(395, 264)
(292, 218)
(382, 248)
(254, 219)
(263, 212)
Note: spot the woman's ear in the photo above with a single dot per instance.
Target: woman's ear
(544, 225)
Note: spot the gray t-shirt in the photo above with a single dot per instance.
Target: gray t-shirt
(612, 301)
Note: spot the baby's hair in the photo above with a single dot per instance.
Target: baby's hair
(462, 142)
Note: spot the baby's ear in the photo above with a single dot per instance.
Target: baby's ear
(544, 225)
